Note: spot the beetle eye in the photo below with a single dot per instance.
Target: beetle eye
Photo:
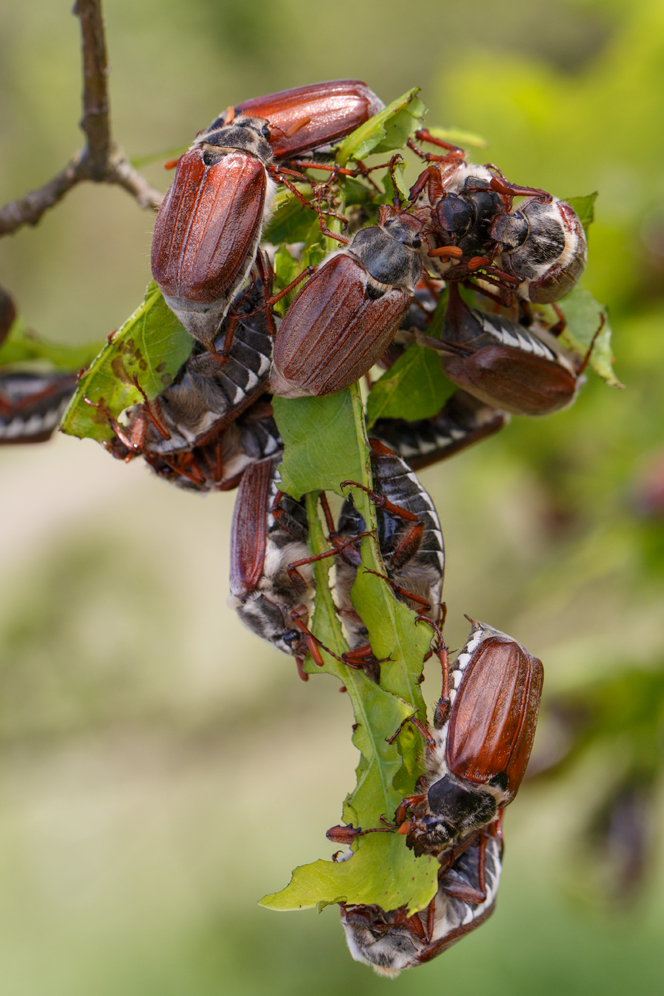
(417, 242)
(265, 131)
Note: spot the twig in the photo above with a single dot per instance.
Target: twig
(101, 161)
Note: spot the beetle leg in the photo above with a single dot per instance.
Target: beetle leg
(442, 710)
(414, 924)
(392, 165)
(561, 324)
(430, 742)
(424, 135)
(398, 590)
(135, 439)
(312, 643)
(380, 501)
(339, 547)
(586, 358)
(467, 893)
(299, 662)
(429, 157)
(152, 411)
(407, 547)
(501, 184)
(431, 919)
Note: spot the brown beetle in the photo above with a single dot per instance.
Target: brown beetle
(219, 463)
(484, 729)
(348, 312)
(539, 247)
(210, 222)
(503, 363)
(32, 404)
(269, 531)
(392, 941)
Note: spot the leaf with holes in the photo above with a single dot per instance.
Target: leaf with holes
(147, 351)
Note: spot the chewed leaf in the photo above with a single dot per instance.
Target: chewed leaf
(382, 871)
(290, 222)
(585, 208)
(385, 131)
(325, 444)
(584, 315)
(149, 349)
(457, 136)
(414, 387)
(22, 345)
(318, 434)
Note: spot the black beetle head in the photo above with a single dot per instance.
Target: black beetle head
(460, 808)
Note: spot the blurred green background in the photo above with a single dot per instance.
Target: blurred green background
(161, 769)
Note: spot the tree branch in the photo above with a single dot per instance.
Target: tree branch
(101, 161)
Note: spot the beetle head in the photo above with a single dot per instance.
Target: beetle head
(248, 134)
(455, 812)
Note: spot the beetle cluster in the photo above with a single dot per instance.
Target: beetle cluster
(465, 265)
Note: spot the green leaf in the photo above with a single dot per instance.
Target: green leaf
(457, 136)
(388, 130)
(318, 434)
(414, 387)
(584, 315)
(585, 208)
(325, 444)
(286, 268)
(290, 222)
(151, 346)
(381, 871)
(22, 345)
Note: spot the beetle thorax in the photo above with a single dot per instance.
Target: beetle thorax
(245, 133)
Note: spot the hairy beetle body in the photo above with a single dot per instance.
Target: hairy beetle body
(219, 463)
(416, 566)
(210, 223)
(207, 234)
(348, 312)
(310, 117)
(502, 363)
(265, 539)
(390, 941)
(544, 245)
(31, 405)
(483, 746)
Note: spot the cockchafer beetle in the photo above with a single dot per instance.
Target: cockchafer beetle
(504, 364)
(269, 531)
(347, 313)
(204, 397)
(411, 545)
(32, 404)
(462, 421)
(478, 751)
(219, 463)
(409, 536)
(209, 225)
(539, 246)
(392, 941)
